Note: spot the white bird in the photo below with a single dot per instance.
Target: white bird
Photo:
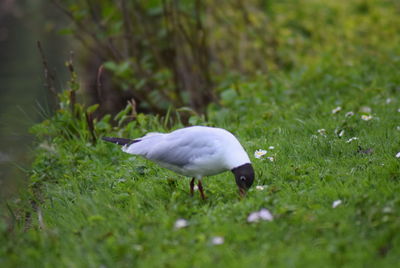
(195, 152)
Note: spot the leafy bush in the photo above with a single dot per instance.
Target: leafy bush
(168, 53)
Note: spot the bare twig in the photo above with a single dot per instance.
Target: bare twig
(73, 82)
(48, 76)
(28, 215)
(90, 124)
(98, 87)
(132, 102)
(10, 227)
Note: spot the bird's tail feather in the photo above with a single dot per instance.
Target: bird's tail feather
(120, 141)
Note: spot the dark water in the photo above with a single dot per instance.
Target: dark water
(22, 92)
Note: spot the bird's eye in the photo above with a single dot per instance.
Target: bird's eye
(242, 178)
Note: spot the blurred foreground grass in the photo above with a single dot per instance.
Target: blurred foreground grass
(94, 206)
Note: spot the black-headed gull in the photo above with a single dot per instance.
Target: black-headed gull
(195, 152)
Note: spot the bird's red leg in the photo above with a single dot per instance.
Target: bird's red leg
(192, 186)
(201, 190)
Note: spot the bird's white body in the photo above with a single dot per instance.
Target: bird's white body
(193, 151)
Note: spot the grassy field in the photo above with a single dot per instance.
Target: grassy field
(95, 206)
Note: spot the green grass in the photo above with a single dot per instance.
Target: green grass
(99, 207)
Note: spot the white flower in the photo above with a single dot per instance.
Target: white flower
(336, 110)
(349, 114)
(264, 214)
(398, 155)
(271, 158)
(271, 147)
(260, 187)
(351, 139)
(336, 203)
(388, 100)
(366, 117)
(398, 110)
(322, 131)
(217, 240)
(259, 153)
(181, 223)
(398, 128)
(341, 133)
(366, 109)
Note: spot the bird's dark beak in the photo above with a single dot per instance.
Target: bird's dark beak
(242, 192)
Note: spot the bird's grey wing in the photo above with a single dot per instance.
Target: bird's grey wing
(181, 151)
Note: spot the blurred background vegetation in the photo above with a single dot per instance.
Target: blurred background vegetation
(169, 56)
(164, 54)
(167, 53)
(23, 99)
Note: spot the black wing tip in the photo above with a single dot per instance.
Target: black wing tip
(119, 141)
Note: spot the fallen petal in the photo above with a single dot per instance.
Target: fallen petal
(253, 217)
(336, 203)
(181, 223)
(351, 139)
(336, 110)
(217, 240)
(265, 214)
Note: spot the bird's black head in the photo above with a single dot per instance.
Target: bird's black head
(244, 176)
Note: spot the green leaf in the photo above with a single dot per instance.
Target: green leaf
(91, 109)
